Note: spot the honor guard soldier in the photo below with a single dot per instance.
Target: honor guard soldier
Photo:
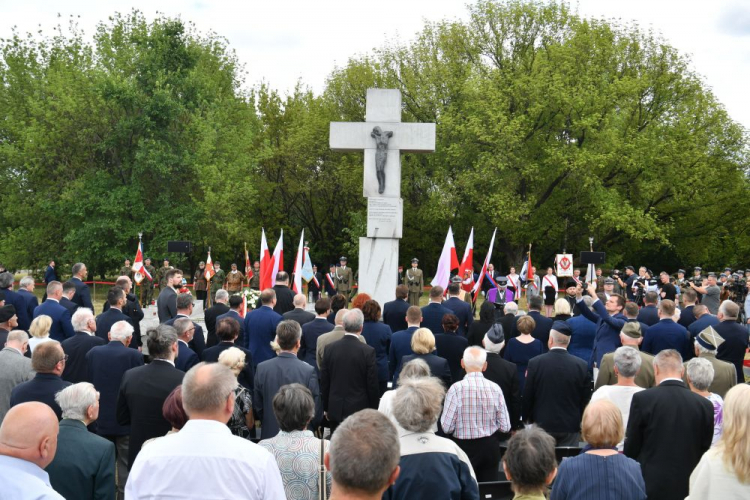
(254, 282)
(217, 281)
(330, 281)
(147, 286)
(313, 286)
(200, 283)
(161, 275)
(415, 281)
(233, 281)
(126, 270)
(344, 279)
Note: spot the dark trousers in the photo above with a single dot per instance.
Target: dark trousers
(566, 438)
(122, 444)
(202, 295)
(484, 455)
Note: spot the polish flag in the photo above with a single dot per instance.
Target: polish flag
(297, 283)
(468, 261)
(448, 261)
(277, 261)
(478, 284)
(210, 271)
(138, 267)
(265, 263)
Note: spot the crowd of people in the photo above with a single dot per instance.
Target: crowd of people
(646, 399)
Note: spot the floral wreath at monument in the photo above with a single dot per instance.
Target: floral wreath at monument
(251, 297)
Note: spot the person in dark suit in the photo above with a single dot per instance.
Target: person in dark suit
(689, 298)
(186, 357)
(666, 334)
(542, 323)
(82, 297)
(732, 350)
(299, 314)
(50, 274)
(184, 310)
(329, 281)
(649, 314)
(209, 316)
(227, 331)
(401, 341)
(61, 328)
(48, 361)
(394, 312)
(669, 429)
(260, 327)
(106, 365)
(69, 290)
(558, 388)
(78, 346)
(284, 294)
(16, 300)
(26, 290)
(314, 329)
(703, 319)
(235, 303)
(504, 374)
(131, 309)
(609, 322)
(144, 389)
(315, 284)
(84, 464)
(460, 308)
(432, 313)
(349, 376)
(423, 345)
(116, 299)
(166, 302)
(282, 370)
(378, 336)
(451, 346)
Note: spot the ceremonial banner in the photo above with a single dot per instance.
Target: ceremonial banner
(564, 265)
(307, 270)
(277, 261)
(266, 265)
(139, 269)
(297, 283)
(468, 260)
(478, 285)
(447, 260)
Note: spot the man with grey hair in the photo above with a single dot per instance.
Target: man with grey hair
(144, 389)
(186, 357)
(299, 314)
(334, 335)
(558, 388)
(184, 310)
(474, 412)
(669, 429)
(48, 361)
(735, 336)
(77, 346)
(363, 456)
(84, 465)
(26, 290)
(61, 328)
(16, 300)
(177, 465)
(631, 336)
(349, 375)
(209, 316)
(284, 369)
(627, 363)
(431, 466)
(82, 297)
(131, 309)
(15, 368)
(725, 375)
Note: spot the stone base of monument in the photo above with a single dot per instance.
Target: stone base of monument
(378, 258)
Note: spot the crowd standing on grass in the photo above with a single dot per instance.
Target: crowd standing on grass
(633, 376)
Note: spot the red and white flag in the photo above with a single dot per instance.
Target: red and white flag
(210, 271)
(266, 264)
(297, 283)
(448, 261)
(478, 284)
(248, 267)
(278, 258)
(138, 268)
(468, 260)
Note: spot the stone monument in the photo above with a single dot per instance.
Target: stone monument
(382, 137)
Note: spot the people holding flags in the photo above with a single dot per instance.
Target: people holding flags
(513, 292)
(200, 284)
(141, 272)
(550, 289)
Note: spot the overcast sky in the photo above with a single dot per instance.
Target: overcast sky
(283, 41)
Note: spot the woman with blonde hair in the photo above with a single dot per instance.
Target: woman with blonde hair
(724, 471)
(39, 331)
(562, 310)
(423, 346)
(242, 420)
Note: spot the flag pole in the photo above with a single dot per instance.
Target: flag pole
(140, 290)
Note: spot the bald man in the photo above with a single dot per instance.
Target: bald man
(299, 314)
(28, 442)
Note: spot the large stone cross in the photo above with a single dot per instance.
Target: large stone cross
(382, 136)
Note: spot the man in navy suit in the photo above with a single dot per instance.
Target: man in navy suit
(432, 313)
(609, 322)
(735, 337)
(460, 308)
(50, 274)
(61, 326)
(543, 324)
(16, 300)
(166, 302)
(260, 327)
(687, 317)
(314, 329)
(131, 309)
(649, 314)
(184, 310)
(26, 290)
(69, 290)
(235, 303)
(703, 319)
(666, 334)
(116, 299)
(394, 312)
(401, 341)
(227, 332)
(105, 367)
(78, 346)
(186, 357)
(48, 361)
(83, 296)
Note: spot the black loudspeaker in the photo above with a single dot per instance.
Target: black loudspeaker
(592, 257)
(179, 246)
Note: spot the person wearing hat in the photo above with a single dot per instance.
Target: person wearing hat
(126, 270)
(414, 279)
(725, 376)
(147, 286)
(608, 287)
(630, 336)
(233, 280)
(344, 279)
(161, 275)
(217, 280)
(558, 388)
(329, 283)
(200, 284)
(8, 321)
(504, 374)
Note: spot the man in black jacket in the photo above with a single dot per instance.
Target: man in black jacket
(543, 323)
(77, 346)
(299, 314)
(394, 312)
(166, 303)
(82, 297)
(504, 374)
(284, 294)
(116, 300)
(220, 307)
(131, 309)
(185, 310)
(48, 361)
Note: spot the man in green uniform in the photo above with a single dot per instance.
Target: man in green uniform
(344, 279)
(161, 275)
(255, 278)
(200, 283)
(217, 281)
(415, 281)
(234, 280)
(126, 270)
(147, 286)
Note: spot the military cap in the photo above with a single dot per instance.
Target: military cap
(728, 269)
(456, 279)
(7, 312)
(342, 258)
(415, 260)
(562, 327)
(609, 281)
(332, 265)
(632, 330)
(697, 268)
(630, 267)
(709, 338)
(680, 271)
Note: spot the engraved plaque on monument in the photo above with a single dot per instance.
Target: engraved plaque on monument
(385, 217)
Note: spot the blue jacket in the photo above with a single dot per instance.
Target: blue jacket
(260, 329)
(309, 341)
(186, 357)
(83, 296)
(76, 347)
(378, 336)
(394, 314)
(701, 324)
(462, 310)
(62, 328)
(400, 347)
(438, 367)
(50, 275)
(582, 340)
(607, 331)
(31, 301)
(666, 334)
(107, 319)
(432, 317)
(41, 388)
(648, 315)
(17, 300)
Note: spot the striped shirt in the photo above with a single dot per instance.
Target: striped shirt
(474, 408)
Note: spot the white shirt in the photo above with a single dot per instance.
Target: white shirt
(204, 461)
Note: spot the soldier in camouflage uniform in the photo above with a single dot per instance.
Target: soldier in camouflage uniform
(200, 284)
(234, 280)
(126, 270)
(344, 279)
(161, 275)
(415, 281)
(255, 279)
(217, 281)
(147, 286)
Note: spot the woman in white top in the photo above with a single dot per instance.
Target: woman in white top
(39, 331)
(416, 368)
(724, 471)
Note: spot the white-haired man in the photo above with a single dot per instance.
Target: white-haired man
(204, 459)
(474, 412)
(84, 465)
(77, 346)
(15, 368)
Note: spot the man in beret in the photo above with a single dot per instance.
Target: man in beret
(631, 335)
(8, 321)
(706, 344)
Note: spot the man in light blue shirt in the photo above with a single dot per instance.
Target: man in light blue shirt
(28, 442)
